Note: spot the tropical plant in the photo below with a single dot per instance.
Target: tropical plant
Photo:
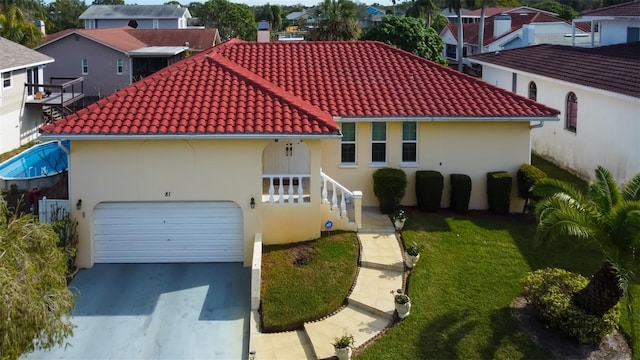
(270, 13)
(343, 341)
(409, 34)
(604, 216)
(14, 27)
(400, 297)
(337, 21)
(35, 303)
(414, 249)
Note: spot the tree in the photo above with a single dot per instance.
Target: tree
(564, 11)
(231, 20)
(64, 14)
(409, 34)
(604, 216)
(14, 27)
(336, 21)
(35, 303)
(270, 13)
(108, 2)
(422, 8)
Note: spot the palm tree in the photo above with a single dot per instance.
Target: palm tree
(604, 216)
(456, 6)
(336, 21)
(15, 27)
(419, 8)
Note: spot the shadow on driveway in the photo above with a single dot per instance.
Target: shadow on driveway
(159, 311)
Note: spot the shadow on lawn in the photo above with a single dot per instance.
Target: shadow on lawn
(443, 335)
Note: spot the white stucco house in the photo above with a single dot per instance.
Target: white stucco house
(272, 140)
(510, 29)
(598, 94)
(19, 65)
(617, 23)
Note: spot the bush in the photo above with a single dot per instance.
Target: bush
(429, 186)
(499, 191)
(389, 186)
(550, 291)
(527, 176)
(460, 193)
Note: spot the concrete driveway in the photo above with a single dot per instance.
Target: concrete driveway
(159, 311)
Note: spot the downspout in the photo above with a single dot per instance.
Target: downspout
(66, 151)
(536, 126)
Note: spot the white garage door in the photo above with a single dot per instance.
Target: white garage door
(160, 232)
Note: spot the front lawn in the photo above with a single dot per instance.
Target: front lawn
(294, 291)
(462, 288)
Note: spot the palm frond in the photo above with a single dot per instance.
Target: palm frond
(604, 191)
(632, 189)
(624, 225)
(548, 186)
(561, 216)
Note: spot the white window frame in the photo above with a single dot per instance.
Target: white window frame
(85, 66)
(8, 78)
(119, 66)
(156, 23)
(409, 141)
(349, 142)
(90, 24)
(379, 142)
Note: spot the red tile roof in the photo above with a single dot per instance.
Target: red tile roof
(294, 88)
(631, 8)
(128, 39)
(613, 68)
(470, 31)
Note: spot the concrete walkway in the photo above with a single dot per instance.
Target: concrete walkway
(370, 305)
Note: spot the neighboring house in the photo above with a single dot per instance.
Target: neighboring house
(272, 140)
(109, 59)
(19, 65)
(617, 23)
(138, 16)
(513, 29)
(597, 90)
(302, 18)
(370, 16)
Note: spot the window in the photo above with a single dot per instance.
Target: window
(119, 66)
(379, 142)
(451, 51)
(409, 142)
(633, 34)
(533, 91)
(90, 24)
(571, 112)
(85, 66)
(348, 146)
(156, 24)
(6, 79)
(514, 82)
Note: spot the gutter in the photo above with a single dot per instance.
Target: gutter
(448, 119)
(537, 126)
(61, 137)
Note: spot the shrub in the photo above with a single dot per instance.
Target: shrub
(499, 191)
(526, 177)
(389, 186)
(460, 193)
(429, 186)
(550, 291)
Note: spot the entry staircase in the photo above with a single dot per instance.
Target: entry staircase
(51, 113)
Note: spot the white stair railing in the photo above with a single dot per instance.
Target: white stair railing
(339, 194)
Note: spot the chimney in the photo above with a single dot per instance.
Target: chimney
(528, 34)
(501, 25)
(40, 25)
(264, 35)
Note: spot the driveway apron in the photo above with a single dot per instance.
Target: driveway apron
(159, 311)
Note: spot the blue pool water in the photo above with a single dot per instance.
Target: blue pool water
(40, 160)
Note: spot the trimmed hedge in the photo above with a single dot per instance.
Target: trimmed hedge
(527, 176)
(499, 191)
(550, 291)
(460, 193)
(429, 186)
(389, 186)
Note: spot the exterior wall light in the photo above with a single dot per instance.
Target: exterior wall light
(252, 203)
(79, 204)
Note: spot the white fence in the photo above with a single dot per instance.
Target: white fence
(47, 207)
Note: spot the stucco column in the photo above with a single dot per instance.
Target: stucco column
(357, 208)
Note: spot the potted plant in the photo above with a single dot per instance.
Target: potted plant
(403, 303)
(399, 218)
(413, 254)
(342, 346)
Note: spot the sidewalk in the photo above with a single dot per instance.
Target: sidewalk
(370, 305)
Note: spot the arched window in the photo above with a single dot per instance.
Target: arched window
(533, 91)
(571, 112)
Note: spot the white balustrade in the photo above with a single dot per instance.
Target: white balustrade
(339, 194)
(283, 188)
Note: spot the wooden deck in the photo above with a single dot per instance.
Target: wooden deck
(57, 99)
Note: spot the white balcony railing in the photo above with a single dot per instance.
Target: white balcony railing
(285, 188)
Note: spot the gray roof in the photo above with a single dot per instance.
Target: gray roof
(15, 56)
(129, 12)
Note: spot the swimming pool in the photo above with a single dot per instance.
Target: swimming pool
(38, 161)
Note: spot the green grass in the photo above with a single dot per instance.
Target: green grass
(9, 154)
(294, 294)
(554, 171)
(462, 288)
